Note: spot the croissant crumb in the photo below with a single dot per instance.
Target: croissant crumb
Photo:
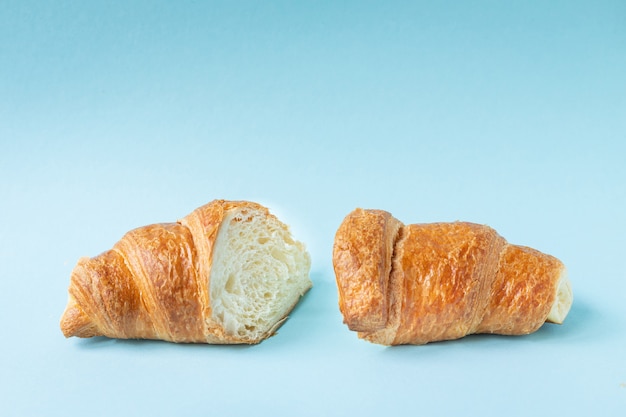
(562, 301)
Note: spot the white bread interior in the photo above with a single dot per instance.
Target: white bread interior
(258, 273)
(562, 301)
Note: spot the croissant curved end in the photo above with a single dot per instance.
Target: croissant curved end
(563, 300)
(76, 323)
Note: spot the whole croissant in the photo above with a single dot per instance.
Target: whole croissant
(420, 283)
(229, 272)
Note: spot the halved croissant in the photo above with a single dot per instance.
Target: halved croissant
(229, 272)
(419, 283)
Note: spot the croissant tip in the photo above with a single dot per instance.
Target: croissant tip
(74, 322)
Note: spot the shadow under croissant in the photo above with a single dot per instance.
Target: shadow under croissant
(584, 321)
(98, 342)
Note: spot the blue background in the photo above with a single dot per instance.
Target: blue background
(118, 114)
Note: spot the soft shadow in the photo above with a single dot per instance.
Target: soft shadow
(100, 342)
(584, 321)
(97, 342)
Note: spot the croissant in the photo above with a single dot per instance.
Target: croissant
(229, 272)
(421, 283)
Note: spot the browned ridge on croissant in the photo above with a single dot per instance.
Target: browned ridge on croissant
(229, 272)
(420, 283)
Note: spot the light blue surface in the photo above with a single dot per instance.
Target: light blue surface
(116, 115)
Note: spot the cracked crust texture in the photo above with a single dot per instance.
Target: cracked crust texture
(363, 252)
(445, 280)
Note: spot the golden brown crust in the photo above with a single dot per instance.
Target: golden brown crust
(160, 260)
(445, 268)
(362, 255)
(447, 280)
(153, 284)
(523, 291)
(102, 301)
